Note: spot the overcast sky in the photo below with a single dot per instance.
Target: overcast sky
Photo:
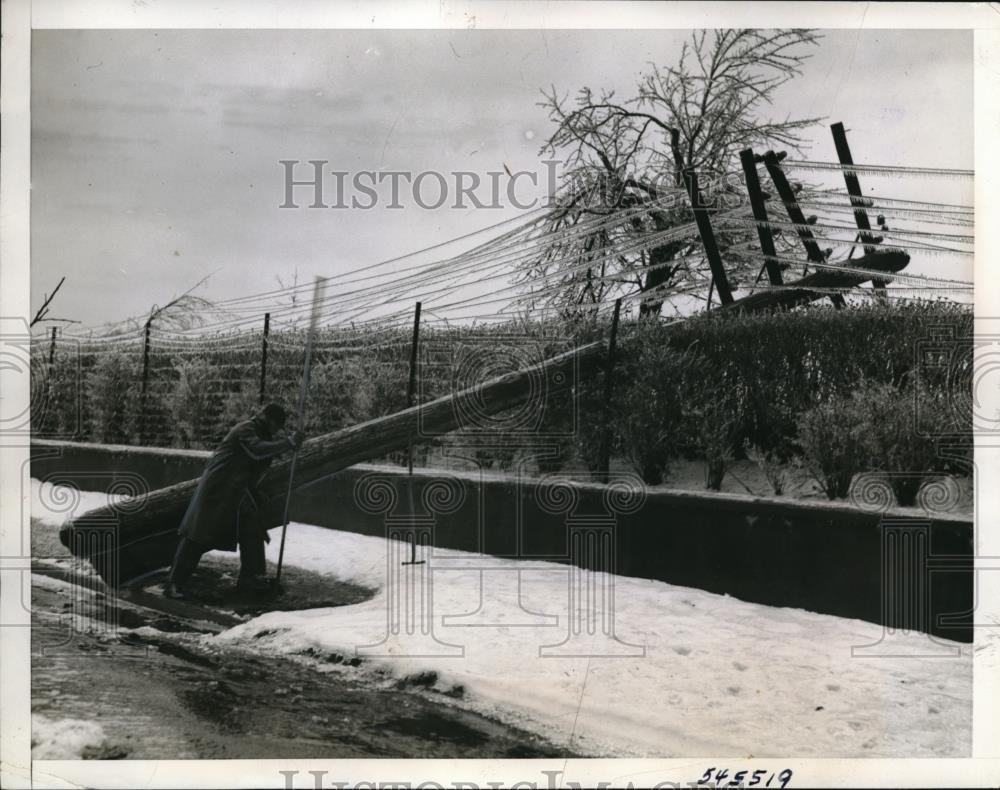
(155, 153)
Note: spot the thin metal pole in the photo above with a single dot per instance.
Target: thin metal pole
(605, 459)
(412, 386)
(143, 417)
(49, 384)
(318, 290)
(263, 356)
(411, 391)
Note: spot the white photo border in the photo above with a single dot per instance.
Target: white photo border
(21, 16)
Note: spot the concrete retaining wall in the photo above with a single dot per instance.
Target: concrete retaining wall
(825, 557)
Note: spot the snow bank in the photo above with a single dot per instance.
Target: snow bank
(709, 674)
(63, 739)
(692, 673)
(54, 505)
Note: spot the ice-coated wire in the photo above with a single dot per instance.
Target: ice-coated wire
(896, 171)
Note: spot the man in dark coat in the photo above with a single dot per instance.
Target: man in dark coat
(226, 508)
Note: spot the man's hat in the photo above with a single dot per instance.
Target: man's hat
(275, 412)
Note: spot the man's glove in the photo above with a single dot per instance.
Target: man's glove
(296, 439)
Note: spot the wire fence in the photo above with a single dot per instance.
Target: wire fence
(185, 393)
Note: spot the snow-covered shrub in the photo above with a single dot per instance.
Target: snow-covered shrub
(340, 395)
(57, 400)
(893, 440)
(112, 390)
(770, 464)
(648, 406)
(239, 405)
(833, 447)
(194, 403)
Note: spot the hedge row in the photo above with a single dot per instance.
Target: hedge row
(875, 381)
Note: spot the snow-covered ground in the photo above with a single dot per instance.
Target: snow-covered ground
(691, 673)
(63, 739)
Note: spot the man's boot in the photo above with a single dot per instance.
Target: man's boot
(257, 583)
(171, 590)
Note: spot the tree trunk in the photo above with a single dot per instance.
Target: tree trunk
(658, 274)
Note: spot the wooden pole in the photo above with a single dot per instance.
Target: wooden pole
(858, 201)
(707, 237)
(147, 536)
(772, 162)
(52, 347)
(318, 290)
(412, 385)
(756, 195)
(263, 356)
(604, 462)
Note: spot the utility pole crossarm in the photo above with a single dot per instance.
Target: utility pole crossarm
(760, 215)
(853, 188)
(772, 162)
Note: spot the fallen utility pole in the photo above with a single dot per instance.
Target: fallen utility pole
(799, 291)
(146, 536)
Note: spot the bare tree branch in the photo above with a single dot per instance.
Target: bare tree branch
(44, 309)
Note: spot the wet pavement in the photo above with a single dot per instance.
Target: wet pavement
(161, 687)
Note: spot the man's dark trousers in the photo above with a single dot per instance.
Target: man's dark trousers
(252, 562)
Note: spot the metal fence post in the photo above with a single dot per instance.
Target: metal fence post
(412, 386)
(263, 356)
(143, 416)
(604, 463)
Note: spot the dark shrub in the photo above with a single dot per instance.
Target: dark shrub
(833, 447)
(111, 387)
(893, 440)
